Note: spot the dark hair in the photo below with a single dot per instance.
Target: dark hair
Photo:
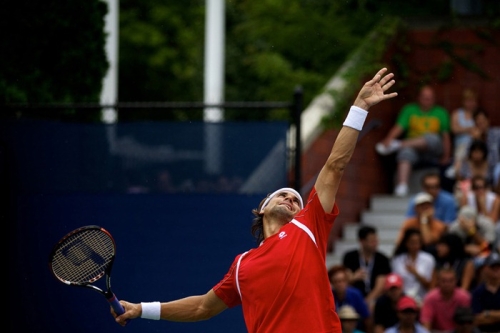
(479, 112)
(365, 231)
(479, 145)
(430, 174)
(335, 269)
(257, 227)
(402, 248)
(456, 246)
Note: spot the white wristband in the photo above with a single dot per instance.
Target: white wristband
(355, 118)
(151, 310)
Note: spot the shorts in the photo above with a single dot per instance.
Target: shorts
(431, 155)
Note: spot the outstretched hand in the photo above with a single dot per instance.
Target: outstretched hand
(374, 91)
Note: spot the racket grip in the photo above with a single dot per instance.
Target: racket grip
(115, 304)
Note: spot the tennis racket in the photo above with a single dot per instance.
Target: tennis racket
(84, 256)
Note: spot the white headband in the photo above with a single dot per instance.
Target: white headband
(284, 189)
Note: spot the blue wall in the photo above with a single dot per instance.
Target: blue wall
(168, 247)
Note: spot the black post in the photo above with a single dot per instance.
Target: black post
(297, 111)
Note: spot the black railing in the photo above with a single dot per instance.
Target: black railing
(295, 107)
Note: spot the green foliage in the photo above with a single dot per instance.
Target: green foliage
(53, 51)
(365, 60)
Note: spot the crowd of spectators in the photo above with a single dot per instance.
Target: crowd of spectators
(443, 289)
(444, 274)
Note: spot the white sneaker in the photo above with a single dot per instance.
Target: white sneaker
(393, 147)
(401, 190)
(450, 172)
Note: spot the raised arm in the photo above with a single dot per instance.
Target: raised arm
(189, 309)
(372, 92)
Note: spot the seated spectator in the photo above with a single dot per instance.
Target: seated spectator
(440, 303)
(426, 130)
(344, 294)
(445, 206)
(496, 244)
(407, 317)
(349, 319)
(450, 253)
(486, 202)
(476, 163)
(385, 312)
(430, 227)
(476, 231)
(486, 297)
(462, 125)
(464, 321)
(491, 135)
(413, 264)
(367, 266)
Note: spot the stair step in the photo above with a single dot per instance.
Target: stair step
(388, 203)
(382, 219)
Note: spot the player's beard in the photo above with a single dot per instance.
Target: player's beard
(282, 214)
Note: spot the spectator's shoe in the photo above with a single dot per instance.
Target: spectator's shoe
(393, 147)
(450, 172)
(401, 190)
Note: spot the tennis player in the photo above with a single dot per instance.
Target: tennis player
(282, 285)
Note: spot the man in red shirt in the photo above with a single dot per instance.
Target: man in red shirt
(440, 303)
(283, 285)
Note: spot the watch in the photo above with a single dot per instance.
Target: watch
(486, 314)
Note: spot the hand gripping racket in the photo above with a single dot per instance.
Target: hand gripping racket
(82, 257)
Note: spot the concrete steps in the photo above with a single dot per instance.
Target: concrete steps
(386, 213)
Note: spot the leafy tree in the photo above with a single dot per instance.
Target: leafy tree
(53, 51)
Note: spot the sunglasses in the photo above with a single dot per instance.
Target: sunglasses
(431, 186)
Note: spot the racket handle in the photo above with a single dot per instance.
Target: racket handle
(115, 304)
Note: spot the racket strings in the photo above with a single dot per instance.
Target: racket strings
(84, 256)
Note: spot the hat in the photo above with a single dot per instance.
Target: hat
(492, 259)
(407, 303)
(393, 280)
(423, 197)
(463, 315)
(467, 212)
(347, 312)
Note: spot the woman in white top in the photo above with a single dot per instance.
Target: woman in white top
(413, 265)
(462, 127)
(482, 198)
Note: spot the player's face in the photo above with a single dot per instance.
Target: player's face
(284, 204)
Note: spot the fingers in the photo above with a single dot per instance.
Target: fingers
(379, 74)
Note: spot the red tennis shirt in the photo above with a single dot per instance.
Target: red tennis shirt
(283, 284)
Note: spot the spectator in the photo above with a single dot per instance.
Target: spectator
(445, 206)
(426, 129)
(486, 202)
(496, 245)
(344, 294)
(491, 135)
(462, 125)
(450, 252)
(464, 321)
(440, 303)
(367, 266)
(413, 264)
(407, 317)
(349, 319)
(385, 312)
(430, 227)
(486, 297)
(476, 163)
(476, 231)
